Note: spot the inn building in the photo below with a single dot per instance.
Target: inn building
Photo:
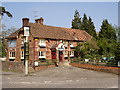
(45, 42)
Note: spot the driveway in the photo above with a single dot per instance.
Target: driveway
(60, 77)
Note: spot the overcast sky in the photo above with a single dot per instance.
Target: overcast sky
(60, 13)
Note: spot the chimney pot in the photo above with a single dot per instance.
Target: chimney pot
(40, 20)
(25, 21)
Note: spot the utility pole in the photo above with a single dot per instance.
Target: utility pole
(69, 51)
(26, 49)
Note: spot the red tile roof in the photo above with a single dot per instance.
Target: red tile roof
(44, 31)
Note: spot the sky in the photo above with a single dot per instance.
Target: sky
(60, 14)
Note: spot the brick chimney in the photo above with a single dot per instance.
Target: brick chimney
(40, 20)
(25, 21)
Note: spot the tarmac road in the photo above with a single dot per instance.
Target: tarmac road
(60, 77)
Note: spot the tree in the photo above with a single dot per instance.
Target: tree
(2, 38)
(76, 22)
(107, 40)
(117, 55)
(85, 49)
(107, 31)
(106, 47)
(91, 28)
(3, 11)
(117, 29)
(84, 24)
(3, 35)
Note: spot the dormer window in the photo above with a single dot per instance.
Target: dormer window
(71, 45)
(42, 43)
(65, 43)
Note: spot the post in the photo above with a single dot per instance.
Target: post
(69, 51)
(26, 49)
(26, 55)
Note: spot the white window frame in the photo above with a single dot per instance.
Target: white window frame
(71, 53)
(22, 54)
(65, 43)
(71, 44)
(66, 54)
(12, 55)
(42, 42)
(40, 54)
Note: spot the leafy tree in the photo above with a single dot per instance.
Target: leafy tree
(3, 35)
(117, 53)
(114, 61)
(85, 49)
(117, 29)
(76, 22)
(3, 11)
(106, 47)
(2, 38)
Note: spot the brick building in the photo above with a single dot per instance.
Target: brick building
(45, 42)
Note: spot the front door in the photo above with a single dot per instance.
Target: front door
(60, 56)
(53, 54)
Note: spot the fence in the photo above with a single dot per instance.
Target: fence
(44, 62)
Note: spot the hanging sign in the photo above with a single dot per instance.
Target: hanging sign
(26, 31)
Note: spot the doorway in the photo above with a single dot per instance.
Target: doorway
(53, 54)
(60, 56)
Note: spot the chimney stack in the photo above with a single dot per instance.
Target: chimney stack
(40, 20)
(25, 21)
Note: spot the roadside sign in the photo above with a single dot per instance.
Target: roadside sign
(26, 31)
(36, 63)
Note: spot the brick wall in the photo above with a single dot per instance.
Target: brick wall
(34, 48)
(115, 70)
(12, 66)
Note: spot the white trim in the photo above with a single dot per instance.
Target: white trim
(71, 46)
(60, 47)
(42, 56)
(22, 55)
(65, 55)
(71, 53)
(11, 55)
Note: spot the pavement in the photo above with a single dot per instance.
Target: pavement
(60, 77)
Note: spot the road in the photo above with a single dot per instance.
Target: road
(60, 77)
